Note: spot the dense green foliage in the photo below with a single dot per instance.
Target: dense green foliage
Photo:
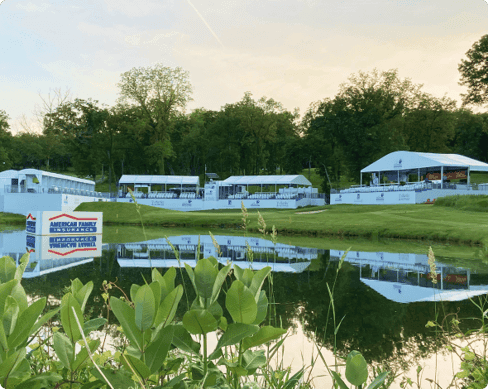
(474, 73)
(464, 203)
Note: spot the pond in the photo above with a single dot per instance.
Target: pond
(382, 298)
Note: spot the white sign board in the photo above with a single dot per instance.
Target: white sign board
(64, 223)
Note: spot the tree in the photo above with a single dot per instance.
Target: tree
(160, 91)
(474, 73)
(80, 124)
(5, 142)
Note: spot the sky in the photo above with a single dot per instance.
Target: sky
(294, 51)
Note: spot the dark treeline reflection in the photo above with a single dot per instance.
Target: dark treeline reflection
(380, 329)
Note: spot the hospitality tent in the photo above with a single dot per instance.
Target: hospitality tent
(149, 180)
(284, 180)
(410, 162)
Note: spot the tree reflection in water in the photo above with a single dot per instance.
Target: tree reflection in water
(385, 332)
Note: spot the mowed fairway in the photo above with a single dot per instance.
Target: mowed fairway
(395, 221)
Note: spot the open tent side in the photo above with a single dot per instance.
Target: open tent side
(409, 162)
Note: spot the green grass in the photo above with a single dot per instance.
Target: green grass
(419, 222)
(11, 219)
(465, 203)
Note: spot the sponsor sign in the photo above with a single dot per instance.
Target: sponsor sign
(59, 246)
(338, 198)
(282, 204)
(398, 165)
(358, 198)
(64, 223)
(256, 203)
(404, 197)
(187, 203)
(380, 198)
(157, 203)
(30, 224)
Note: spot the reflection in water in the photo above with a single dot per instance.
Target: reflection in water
(376, 324)
(406, 278)
(159, 253)
(50, 254)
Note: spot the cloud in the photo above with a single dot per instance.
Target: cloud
(138, 8)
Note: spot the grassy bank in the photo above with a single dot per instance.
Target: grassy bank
(424, 222)
(11, 218)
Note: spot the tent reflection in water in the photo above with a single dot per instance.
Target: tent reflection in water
(406, 278)
(158, 253)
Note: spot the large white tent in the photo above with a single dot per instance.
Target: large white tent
(409, 162)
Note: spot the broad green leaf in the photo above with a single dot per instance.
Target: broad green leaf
(221, 276)
(82, 357)
(3, 338)
(68, 320)
(26, 323)
(76, 285)
(191, 276)
(247, 276)
(40, 381)
(241, 304)
(251, 360)
(205, 275)
(167, 309)
(378, 380)
(158, 349)
(264, 335)
(10, 364)
(169, 281)
(156, 289)
(183, 340)
(238, 272)
(223, 323)
(5, 290)
(234, 334)
(133, 364)
(199, 321)
(258, 280)
(44, 319)
(82, 295)
(262, 308)
(64, 349)
(144, 306)
(7, 269)
(120, 379)
(126, 317)
(10, 315)
(18, 293)
(133, 291)
(93, 324)
(356, 368)
(339, 380)
(19, 272)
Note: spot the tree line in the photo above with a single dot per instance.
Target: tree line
(148, 130)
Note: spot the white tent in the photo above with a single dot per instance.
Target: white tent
(268, 180)
(414, 162)
(159, 180)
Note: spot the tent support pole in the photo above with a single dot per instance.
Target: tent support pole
(418, 176)
(360, 179)
(442, 177)
(468, 175)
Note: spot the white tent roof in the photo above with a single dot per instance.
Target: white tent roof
(268, 180)
(402, 293)
(9, 174)
(43, 173)
(159, 180)
(409, 160)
